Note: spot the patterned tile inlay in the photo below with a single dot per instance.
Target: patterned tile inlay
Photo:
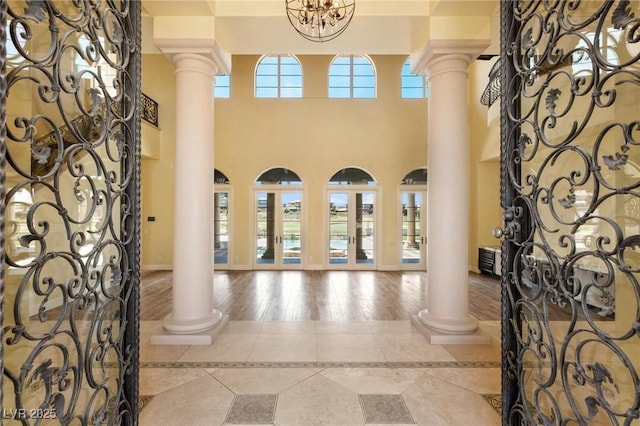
(495, 400)
(143, 400)
(252, 409)
(385, 409)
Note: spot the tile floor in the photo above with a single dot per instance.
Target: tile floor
(308, 373)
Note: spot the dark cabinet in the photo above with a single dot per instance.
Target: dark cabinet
(489, 260)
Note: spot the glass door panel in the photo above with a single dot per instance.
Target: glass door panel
(221, 228)
(364, 229)
(413, 228)
(265, 228)
(351, 228)
(278, 228)
(338, 228)
(291, 233)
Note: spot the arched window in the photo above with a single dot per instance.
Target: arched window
(352, 176)
(222, 88)
(413, 86)
(416, 177)
(279, 176)
(352, 76)
(278, 76)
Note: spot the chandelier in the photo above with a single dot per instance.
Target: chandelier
(320, 20)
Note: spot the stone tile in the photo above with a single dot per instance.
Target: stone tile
(475, 352)
(378, 408)
(344, 327)
(411, 347)
(256, 409)
(288, 327)
(318, 401)
(435, 402)
(243, 327)
(227, 347)
(158, 380)
(374, 380)
(201, 402)
(284, 347)
(157, 353)
(493, 328)
(348, 348)
(161, 353)
(478, 380)
(261, 380)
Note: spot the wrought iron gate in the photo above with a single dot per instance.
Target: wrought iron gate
(571, 199)
(70, 184)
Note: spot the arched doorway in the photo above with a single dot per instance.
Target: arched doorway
(278, 220)
(351, 214)
(221, 221)
(413, 224)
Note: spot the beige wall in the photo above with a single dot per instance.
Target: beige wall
(315, 137)
(485, 212)
(158, 83)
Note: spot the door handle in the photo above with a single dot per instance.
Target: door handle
(511, 227)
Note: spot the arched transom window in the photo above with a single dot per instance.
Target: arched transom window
(352, 76)
(278, 76)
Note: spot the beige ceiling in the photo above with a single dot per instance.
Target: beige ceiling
(261, 26)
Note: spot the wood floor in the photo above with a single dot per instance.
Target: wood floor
(318, 295)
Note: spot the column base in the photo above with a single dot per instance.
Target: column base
(472, 335)
(200, 333)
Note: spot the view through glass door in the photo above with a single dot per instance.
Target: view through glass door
(278, 228)
(221, 226)
(351, 228)
(413, 230)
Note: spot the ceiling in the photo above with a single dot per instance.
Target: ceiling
(378, 26)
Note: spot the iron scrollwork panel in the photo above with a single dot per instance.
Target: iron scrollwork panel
(571, 167)
(71, 221)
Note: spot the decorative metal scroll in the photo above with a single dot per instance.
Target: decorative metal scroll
(492, 92)
(71, 224)
(571, 179)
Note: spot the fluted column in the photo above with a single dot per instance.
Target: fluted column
(193, 319)
(446, 317)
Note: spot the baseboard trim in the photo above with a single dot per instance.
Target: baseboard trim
(156, 267)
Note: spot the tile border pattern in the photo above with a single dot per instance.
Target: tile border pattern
(322, 364)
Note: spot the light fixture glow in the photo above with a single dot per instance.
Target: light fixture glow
(320, 20)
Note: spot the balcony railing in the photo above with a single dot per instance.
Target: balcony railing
(149, 110)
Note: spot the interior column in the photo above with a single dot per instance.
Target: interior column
(446, 318)
(193, 319)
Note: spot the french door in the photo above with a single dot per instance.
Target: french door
(278, 229)
(221, 228)
(413, 230)
(351, 218)
(570, 158)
